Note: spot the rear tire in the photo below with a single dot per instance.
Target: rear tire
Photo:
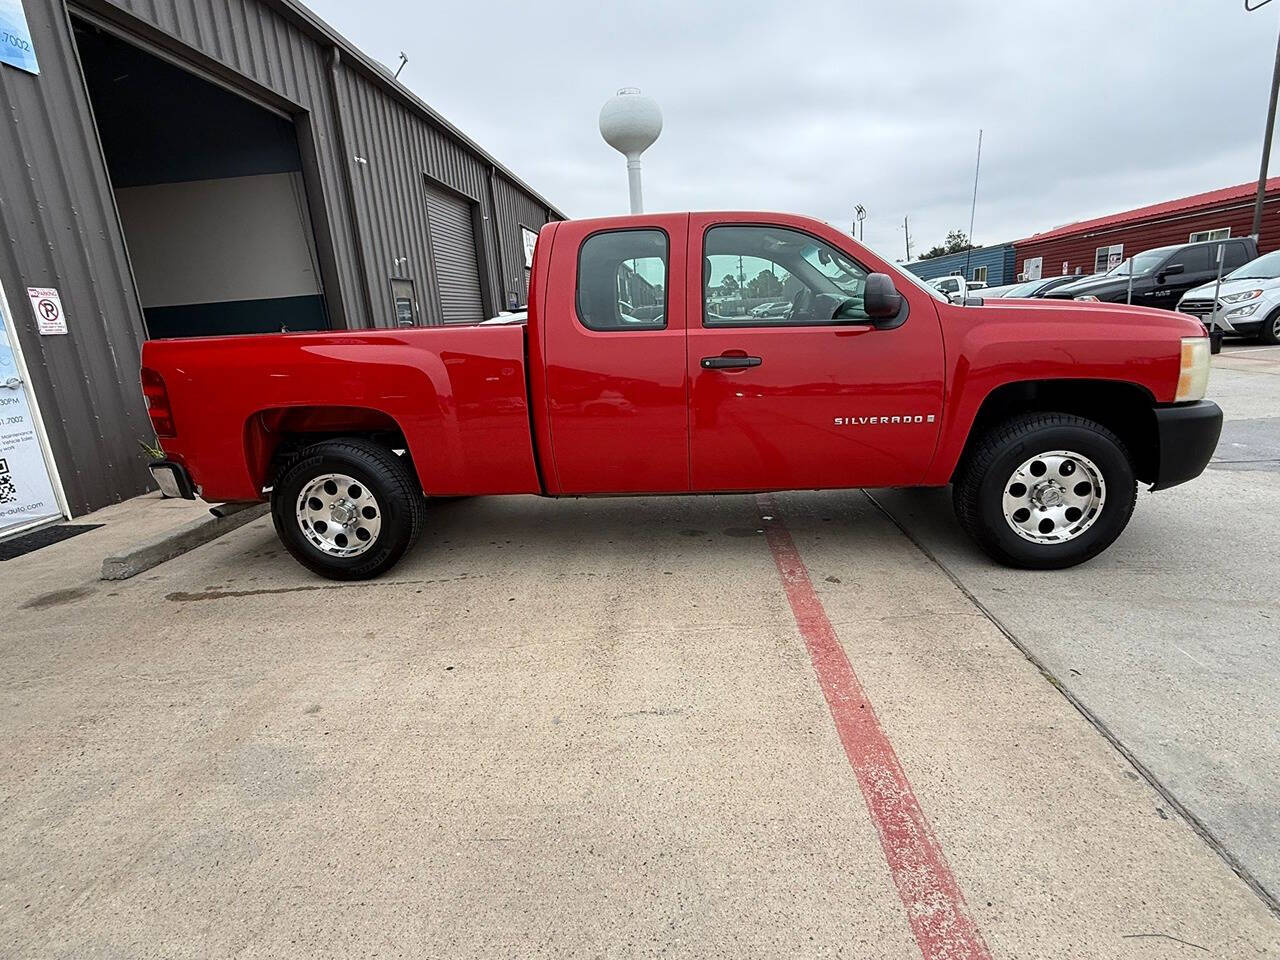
(1045, 491)
(347, 509)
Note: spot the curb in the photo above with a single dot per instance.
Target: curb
(226, 517)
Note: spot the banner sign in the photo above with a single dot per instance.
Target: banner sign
(530, 241)
(15, 37)
(26, 493)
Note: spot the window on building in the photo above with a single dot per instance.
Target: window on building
(405, 300)
(1104, 258)
(1199, 236)
(980, 274)
(622, 280)
(956, 273)
(767, 275)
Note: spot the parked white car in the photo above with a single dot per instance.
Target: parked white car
(1248, 303)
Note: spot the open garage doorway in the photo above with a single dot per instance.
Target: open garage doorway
(211, 196)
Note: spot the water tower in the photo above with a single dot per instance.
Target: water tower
(630, 122)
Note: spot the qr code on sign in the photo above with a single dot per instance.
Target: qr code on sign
(8, 492)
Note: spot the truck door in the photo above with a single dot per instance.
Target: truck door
(616, 381)
(791, 385)
(1170, 284)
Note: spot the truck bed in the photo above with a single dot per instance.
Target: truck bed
(457, 395)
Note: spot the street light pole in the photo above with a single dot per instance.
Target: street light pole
(1266, 140)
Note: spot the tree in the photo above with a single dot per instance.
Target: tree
(956, 242)
(729, 284)
(764, 284)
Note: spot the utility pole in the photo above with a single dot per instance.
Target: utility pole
(907, 230)
(859, 214)
(1266, 139)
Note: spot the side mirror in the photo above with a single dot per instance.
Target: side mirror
(881, 299)
(1170, 270)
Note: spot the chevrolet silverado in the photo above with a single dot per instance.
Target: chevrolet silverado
(644, 367)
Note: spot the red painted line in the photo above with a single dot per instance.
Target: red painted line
(939, 917)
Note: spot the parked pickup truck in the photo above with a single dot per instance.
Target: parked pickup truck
(628, 379)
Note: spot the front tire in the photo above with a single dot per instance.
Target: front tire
(1045, 491)
(347, 509)
(1269, 332)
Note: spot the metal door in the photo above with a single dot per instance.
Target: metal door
(453, 244)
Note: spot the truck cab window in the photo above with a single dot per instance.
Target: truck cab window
(622, 281)
(760, 275)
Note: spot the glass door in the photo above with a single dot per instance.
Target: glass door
(27, 493)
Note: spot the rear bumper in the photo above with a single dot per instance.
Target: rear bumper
(173, 479)
(1188, 435)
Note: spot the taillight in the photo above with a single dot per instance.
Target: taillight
(157, 399)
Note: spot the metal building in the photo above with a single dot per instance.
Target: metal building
(200, 167)
(993, 265)
(1095, 246)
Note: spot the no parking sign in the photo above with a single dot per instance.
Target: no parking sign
(48, 309)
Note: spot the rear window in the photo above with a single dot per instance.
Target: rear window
(622, 281)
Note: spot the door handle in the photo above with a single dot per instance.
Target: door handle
(720, 363)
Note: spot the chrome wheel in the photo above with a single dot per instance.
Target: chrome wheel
(1054, 497)
(338, 515)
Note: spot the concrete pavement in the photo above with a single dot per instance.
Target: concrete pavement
(1172, 637)
(560, 729)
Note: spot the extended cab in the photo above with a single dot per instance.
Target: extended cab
(640, 371)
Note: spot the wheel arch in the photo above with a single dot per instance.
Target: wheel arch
(1268, 324)
(1125, 408)
(274, 435)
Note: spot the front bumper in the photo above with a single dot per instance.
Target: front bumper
(173, 479)
(1187, 434)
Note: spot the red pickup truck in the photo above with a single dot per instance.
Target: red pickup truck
(697, 353)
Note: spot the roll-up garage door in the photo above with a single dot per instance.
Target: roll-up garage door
(453, 241)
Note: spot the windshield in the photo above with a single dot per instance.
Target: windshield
(1143, 263)
(1264, 268)
(1024, 289)
(848, 278)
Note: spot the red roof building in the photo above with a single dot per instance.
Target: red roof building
(1093, 246)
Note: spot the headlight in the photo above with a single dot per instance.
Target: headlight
(1193, 377)
(1246, 311)
(1238, 297)
(1088, 297)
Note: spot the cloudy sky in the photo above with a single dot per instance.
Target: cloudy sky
(1087, 107)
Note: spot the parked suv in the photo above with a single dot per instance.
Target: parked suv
(1248, 303)
(1161, 276)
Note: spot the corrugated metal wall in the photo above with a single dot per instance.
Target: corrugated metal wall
(998, 261)
(515, 208)
(1077, 250)
(59, 217)
(61, 231)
